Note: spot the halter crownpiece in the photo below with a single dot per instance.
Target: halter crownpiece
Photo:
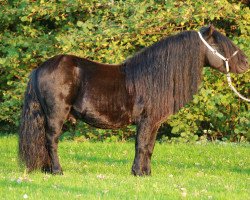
(215, 52)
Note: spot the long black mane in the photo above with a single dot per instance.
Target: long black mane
(166, 74)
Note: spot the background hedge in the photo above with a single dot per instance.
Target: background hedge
(109, 31)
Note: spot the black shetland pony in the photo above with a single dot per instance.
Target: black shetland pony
(144, 90)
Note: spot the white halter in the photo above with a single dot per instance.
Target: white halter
(215, 52)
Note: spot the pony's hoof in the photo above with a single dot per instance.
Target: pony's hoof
(141, 172)
(57, 172)
(47, 169)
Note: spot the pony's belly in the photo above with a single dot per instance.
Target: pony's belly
(98, 119)
(105, 124)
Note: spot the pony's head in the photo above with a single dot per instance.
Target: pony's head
(236, 58)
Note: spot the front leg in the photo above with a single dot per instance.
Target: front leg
(144, 146)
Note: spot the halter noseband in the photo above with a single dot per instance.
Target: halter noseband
(215, 52)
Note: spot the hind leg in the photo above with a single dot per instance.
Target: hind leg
(55, 122)
(58, 87)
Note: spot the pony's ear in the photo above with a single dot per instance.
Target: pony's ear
(210, 30)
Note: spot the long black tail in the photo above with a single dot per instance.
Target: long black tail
(32, 140)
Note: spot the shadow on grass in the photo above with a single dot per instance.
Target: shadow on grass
(192, 165)
(6, 135)
(9, 161)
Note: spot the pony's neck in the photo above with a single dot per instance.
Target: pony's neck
(167, 74)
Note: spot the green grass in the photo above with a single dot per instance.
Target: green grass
(102, 171)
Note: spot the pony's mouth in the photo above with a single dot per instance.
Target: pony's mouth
(241, 70)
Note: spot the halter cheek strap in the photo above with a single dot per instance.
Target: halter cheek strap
(226, 60)
(215, 52)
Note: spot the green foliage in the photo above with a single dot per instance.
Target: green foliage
(215, 113)
(110, 31)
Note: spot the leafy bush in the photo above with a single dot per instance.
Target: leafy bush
(110, 31)
(215, 113)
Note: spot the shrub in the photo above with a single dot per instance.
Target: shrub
(110, 31)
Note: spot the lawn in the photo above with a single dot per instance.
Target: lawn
(102, 171)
